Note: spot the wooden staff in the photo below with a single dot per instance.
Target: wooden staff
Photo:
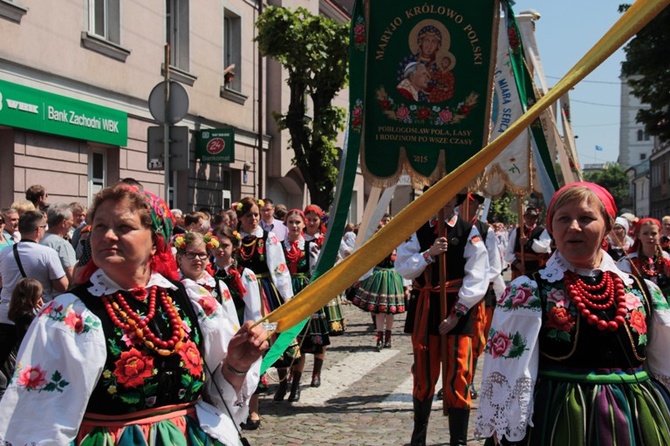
(443, 306)
(522, 232)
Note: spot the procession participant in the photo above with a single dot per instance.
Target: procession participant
(569, 356)
(466, 283)
(301, 256)
(665, 233)
(383, 294)
(618, 240)
(646, 259)
(535, 241)
(315, 229)
(262, 253)
(241, 282)
(483, 312)
(128, 357)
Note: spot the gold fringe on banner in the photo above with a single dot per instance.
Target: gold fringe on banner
(336, 280)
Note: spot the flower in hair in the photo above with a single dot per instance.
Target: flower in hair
(238, 206)
(180, 242)
(211, 241)
(261, 203)
(237, 236)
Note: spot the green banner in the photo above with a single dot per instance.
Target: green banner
(32, 109)
(215, 146)
(339, 211)
(428, 81)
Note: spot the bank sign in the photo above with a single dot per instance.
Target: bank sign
(215, 146)
(33, 109)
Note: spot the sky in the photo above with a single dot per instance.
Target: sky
(566, 30)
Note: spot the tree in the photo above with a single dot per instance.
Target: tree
(314, 50)
(502, 209)
(648, 64)
(614, 179)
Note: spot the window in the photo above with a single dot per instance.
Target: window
(232, 48)
(97, 168)
(646, 135)
(177, 28)
(11, 10)
(643, 156)
(104, 19)
(640, 135)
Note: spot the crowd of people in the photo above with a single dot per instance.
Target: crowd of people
(135, 320)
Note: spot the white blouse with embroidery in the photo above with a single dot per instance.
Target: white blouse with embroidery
(507, 409)
(62, 357)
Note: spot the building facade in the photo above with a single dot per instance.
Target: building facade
(635, 143)
(75, 81)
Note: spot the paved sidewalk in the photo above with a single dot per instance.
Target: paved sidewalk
(364, 399)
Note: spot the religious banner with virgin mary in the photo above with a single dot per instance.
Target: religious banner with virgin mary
(427, 85)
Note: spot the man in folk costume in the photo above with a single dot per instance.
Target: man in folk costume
(466, 284)
(483, 312)
(536, 243)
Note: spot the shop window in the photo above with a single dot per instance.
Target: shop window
(97, 173)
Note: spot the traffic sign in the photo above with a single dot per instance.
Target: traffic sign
(172, 110)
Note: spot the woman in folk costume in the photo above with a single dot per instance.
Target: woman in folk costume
(574, 348)
(315, 229)
(383, 293)
(130, 356)
(301, 256)
(261, 252)
(618, 240)
(193, 258)
(241, 282)
(646, 258)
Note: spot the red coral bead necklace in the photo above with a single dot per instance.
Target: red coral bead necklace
(124, 317)
(609, 292)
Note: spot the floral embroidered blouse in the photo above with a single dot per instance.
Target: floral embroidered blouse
(276, 263)
(64, 359)
(251, 296)
(210, 293)
(535, 326)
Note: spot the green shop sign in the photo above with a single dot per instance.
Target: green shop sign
(215, 146)
(33, 109)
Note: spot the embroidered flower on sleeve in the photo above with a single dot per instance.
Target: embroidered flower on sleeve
(74, 321)
(281, 268)
(226, 295)
(518, 296)
(34, 378)
(133, 367)
(208, 304)
(68, 316)
(501, 345)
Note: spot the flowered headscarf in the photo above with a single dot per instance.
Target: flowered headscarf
(162, 221)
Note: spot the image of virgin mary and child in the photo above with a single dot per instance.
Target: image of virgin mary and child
(426, 75)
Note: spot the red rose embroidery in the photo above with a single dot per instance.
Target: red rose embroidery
(208, 304)
(74, 321)
(190, 356)
(560, 318)
(133, 367)
(32, 378)
(423, 113)
(638, 322)
(402, 112)
(522, 296)
(499, 344)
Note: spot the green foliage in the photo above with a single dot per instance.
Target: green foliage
(647, 56)
(314, 50)
(614, 179)
(502, 209)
